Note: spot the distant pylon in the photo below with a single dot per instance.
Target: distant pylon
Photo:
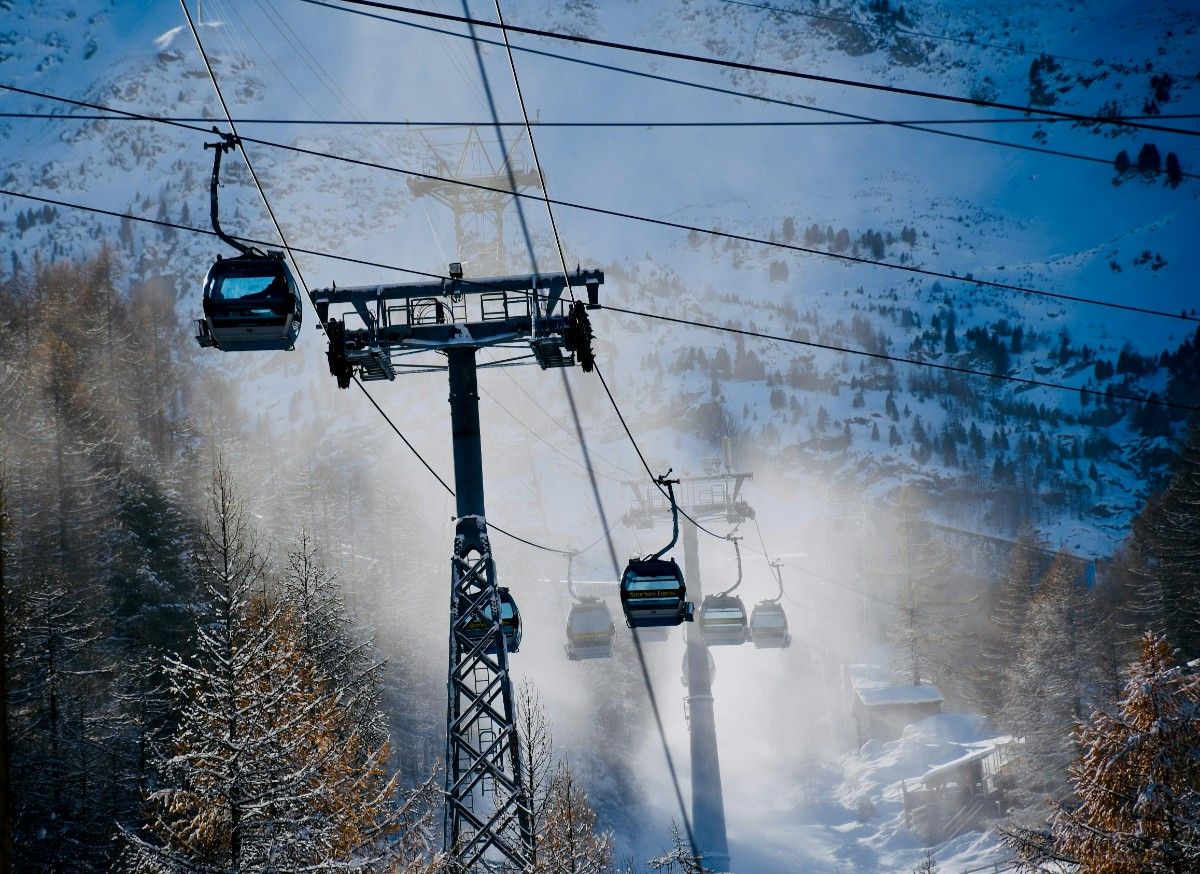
(478, 211)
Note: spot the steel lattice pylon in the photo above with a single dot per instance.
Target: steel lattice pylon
(487, 811)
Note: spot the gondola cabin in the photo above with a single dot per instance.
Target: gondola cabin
(723, 620)
(653, 594)
(510, 623)
(769, 626)
(251, 303)
(590, 630)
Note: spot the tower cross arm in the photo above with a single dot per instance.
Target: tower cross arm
(553, 284)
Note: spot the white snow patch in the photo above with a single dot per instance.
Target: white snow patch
(163, 42)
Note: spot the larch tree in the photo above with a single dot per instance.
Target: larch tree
(262, 774)
(681, 858)
(1051, 682)
(313, 595)
(570, 843)
(60, 722)
(562, 821)
(1136, 804)
(920, 629)
(538, 762)
(95, 576)
(1006, 609)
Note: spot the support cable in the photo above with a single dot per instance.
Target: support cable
(660, 222)
(612, 552)
(658, 123)
(883, 356)
(563, 261)
(747, 95)
(304, 283)
(421, 459)
(563, 427)
(539, 437)
(445, 485)
(772, 337)
(728, 63)
(817, 576)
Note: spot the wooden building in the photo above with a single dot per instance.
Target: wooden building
(958, 796)
(882, 713)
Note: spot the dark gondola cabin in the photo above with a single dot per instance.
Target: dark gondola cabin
(653, 594)
(510, 623)
(723, 620)
(590, 630)
(769, 626)
(251, 303)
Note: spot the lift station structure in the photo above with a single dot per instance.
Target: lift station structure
(705, 498)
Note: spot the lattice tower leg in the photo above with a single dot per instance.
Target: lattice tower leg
(487, 813)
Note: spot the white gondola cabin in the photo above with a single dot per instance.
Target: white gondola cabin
(769, 626)
(723, 620)
(590, 630)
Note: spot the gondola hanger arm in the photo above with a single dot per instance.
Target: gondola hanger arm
(777, 569)
(227, 143)
(669, 484)
(738, 552)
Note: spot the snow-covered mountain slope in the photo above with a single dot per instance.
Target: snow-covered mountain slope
(902, 196)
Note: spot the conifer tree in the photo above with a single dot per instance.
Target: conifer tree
(261, 773)
(570, 843)
(56, 717)
(1052, 679)
(538, 764)
(1006, 608)
(313, 597)
(1166, 539)
(1136, 804)
(919, 627)
(681, 858)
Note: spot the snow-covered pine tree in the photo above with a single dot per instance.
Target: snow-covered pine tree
(1050, 684)
(570, 843)
(1136, 805)
(259, 775)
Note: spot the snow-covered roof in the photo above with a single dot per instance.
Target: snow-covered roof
(939, 773)
(900, 695)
